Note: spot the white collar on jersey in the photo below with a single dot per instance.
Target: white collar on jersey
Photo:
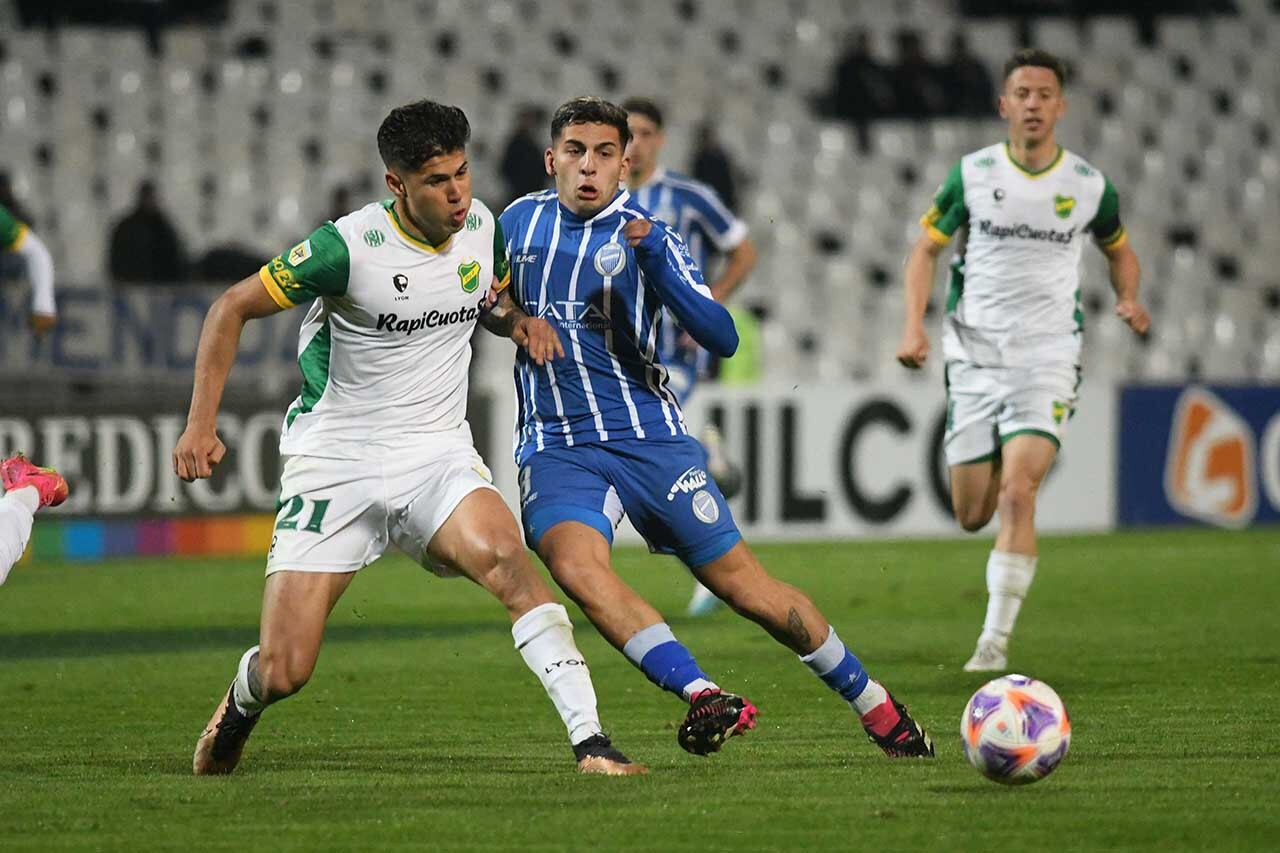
(614, 206)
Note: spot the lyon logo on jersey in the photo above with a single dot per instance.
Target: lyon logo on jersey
(1209, 474)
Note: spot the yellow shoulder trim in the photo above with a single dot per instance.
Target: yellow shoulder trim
(1057, 161)
(18, 241)
(1116, 239)
(412, 240)
(934, 234)
(502, 285)
(277, 295)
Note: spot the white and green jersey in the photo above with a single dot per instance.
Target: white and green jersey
(386, 343)
(1015, 283)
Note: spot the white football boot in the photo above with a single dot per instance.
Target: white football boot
(991, 655)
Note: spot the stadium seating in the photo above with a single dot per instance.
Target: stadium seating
(248, 127)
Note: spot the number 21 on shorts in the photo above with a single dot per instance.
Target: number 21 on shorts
(293, 508)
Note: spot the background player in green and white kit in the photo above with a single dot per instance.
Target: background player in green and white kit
(18, 238)
(376, 448)
(1013, 329)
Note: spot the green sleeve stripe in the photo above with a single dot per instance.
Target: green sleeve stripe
(948, 212)
(318, 266)
(1113, 239)
(1105, 224)
(11, 230)
(501, 263)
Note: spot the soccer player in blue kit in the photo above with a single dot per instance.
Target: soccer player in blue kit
(600, 434)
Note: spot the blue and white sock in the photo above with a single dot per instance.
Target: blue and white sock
(843, 673)
(665, 662)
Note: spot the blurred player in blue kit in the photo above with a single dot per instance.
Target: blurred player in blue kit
(709, 229)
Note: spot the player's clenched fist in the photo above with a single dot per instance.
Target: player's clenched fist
(636, 230)
(914, 348)
(196, 454)
(539, 338)
(1134, 314)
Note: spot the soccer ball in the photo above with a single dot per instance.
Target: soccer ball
(1015, 730)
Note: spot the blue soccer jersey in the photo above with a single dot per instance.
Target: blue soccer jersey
(709, 228)
(606, 301)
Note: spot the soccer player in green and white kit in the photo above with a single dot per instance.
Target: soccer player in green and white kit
(376, 448)
(18, 504)
(1014, 325)
(18, 238)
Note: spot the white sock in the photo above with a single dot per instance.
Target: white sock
(544, 638)
(17, 513)
(1008, 579)
(242, 693)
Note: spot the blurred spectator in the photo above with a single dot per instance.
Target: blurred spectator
(144, 244)
(522, 163)
(227, 263)
(339, 203)
(966, 81)
(917, 82)
(862, 88)
(711, 165)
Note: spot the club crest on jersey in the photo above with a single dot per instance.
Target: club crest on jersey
(299, 253)
(1059, 411)
(1063, 205)
(610, 259)
(473, 222)
(401, 282)
(469, 274)
(374, 238)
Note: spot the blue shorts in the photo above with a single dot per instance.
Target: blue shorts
(661, 484)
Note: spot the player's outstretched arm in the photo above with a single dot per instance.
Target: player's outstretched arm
(922, 264)
(199, 449)
(667, 266)
(40, 272)
(739, 262)
(504, 318)
(1125, 276)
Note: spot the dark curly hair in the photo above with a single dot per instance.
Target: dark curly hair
(1036, 58)
(414, 133)
(590, 110)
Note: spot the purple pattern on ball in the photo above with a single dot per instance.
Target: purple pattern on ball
(981, 706)
(999, 762)
(1039, 717)
(1046, 763)
(1019, 680)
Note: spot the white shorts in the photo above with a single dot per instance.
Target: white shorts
(339, 515)
(987, 406)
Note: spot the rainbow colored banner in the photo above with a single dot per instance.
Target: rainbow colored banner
(55, 538)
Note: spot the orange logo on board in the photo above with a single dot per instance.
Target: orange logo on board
(1210, 471)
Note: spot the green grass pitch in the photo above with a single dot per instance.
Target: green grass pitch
(423, 730)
